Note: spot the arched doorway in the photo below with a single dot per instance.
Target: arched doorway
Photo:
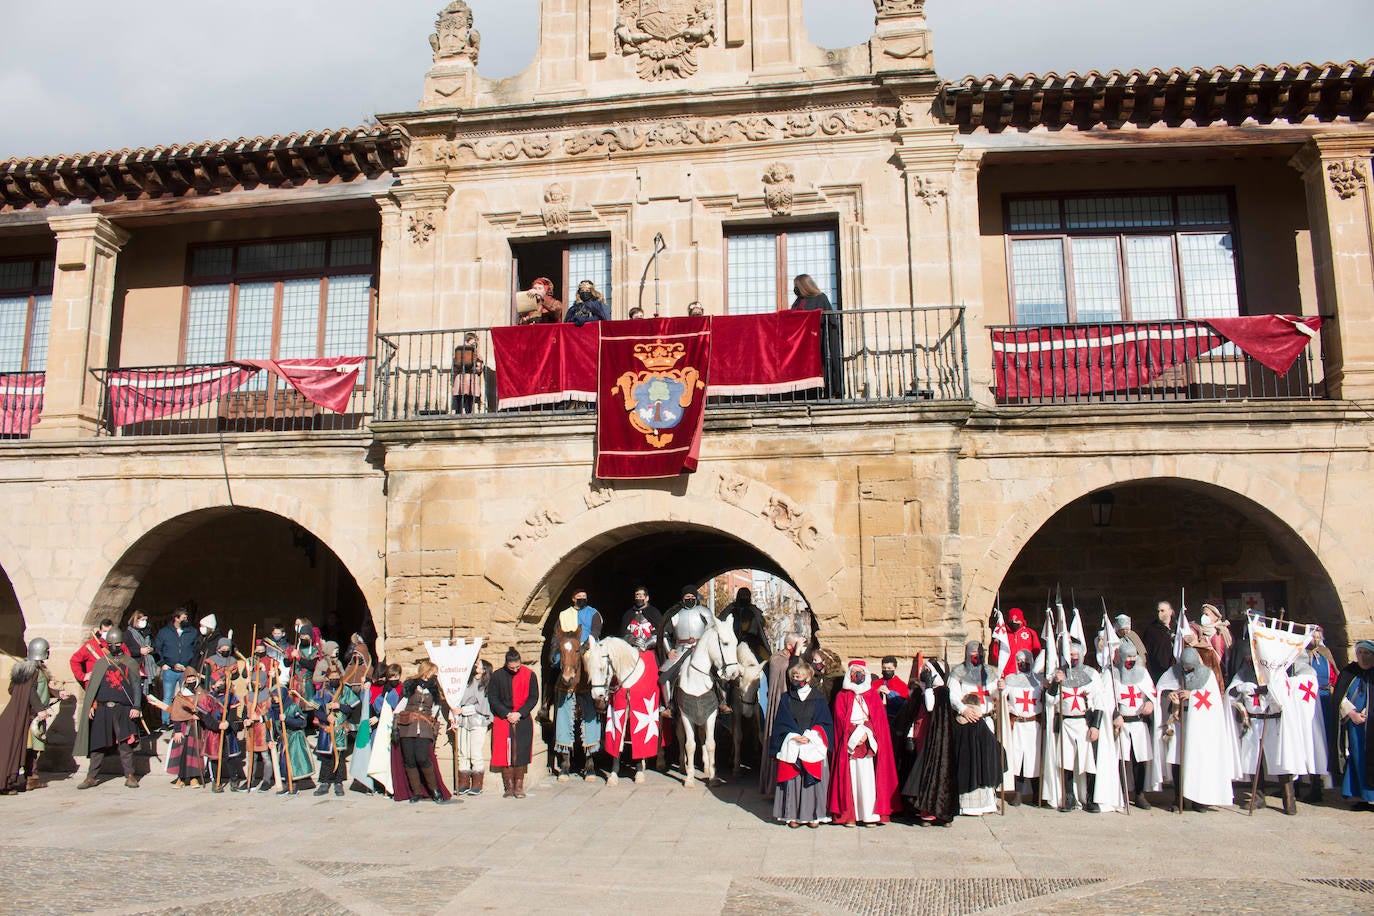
(1140, 542)
(246, 566)
(11, 619)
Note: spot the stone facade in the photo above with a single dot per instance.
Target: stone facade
(897, 520)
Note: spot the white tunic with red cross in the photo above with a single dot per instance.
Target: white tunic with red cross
(1026, 707)
(1074, 707)
(1137, 739)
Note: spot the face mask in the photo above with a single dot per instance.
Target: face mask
(204, 631)
(975, 660)
(1015, 625)
(796, 292)
(689, 601)
(584, 294)
(889, 673)
(580, 602)
(641, 602)
(798, 685)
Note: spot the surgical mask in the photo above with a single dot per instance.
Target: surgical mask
(889, 673)
(798, 684)
(204, 631)
(140, 624)
(580, 602)
(975, 659)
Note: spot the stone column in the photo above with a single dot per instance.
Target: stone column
(943, 232)
(775, 34)
(88, 246)
(1336, 172)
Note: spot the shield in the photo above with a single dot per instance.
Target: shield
(664, 19)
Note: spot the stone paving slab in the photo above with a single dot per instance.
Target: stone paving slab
(588, 847)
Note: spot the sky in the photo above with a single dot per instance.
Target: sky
(82, 76)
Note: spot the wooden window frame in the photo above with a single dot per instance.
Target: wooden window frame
(32, 291)
(784, 276)
(234, 278)
(1174, 231)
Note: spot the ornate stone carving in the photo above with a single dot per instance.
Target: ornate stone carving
(909, 115)
(555, 210)
(731, 488)
(929, 191)
(599, 494)
(420, 225)
(533, 146)
(777, 188)
(665, 34)
(454, 37)
(537, 527)
(793, 521)
(1347, 177)
(885, 8)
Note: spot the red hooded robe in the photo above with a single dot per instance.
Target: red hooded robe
(884, 767)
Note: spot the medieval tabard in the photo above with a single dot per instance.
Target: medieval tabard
(1074, 698)
(103, 720)
(512, 745)
(1302, 747)
(1197, 734)
(633, 711)
(1025, 695)
(1264, 709)
(1135, 694)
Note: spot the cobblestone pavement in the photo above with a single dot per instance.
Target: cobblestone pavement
(587, 847)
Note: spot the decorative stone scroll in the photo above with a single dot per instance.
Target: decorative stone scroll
(627, 138)
(1347, 177)
(665, 34)
(792, 520)
(454, 37)
(555, 210)
(732, 488)
(421, 226)
(536, 528)
(778, 183)
(598, 495)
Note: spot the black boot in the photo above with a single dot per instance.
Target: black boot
(1290, 803)
(1069, 802)
(1089, 805)
(1313, 795)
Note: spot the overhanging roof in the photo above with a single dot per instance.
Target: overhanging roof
(199, 169)
(1234, 96)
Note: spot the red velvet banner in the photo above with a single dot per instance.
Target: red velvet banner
(329, 381)
(545, 364)
(1274, 340)
(21, 402)
(139, 395)
(771, 353)
(651, 396)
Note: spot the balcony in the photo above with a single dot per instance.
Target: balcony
(21, 403)
(183, 400)
(884, 355)
(1136, 362)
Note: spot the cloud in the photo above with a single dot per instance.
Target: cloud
(150, 72)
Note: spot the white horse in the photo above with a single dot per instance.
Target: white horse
(614, 658)
(744, 701)
(697, 707)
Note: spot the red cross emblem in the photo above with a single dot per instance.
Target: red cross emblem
(1132, 696)
(1025, 701)
(981, 694)
(114, 676)
(1309, 693)
(1251, 602)
(1075, 695)
(1202, 699)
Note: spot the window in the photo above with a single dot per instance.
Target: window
(760, 267)
(1129, 257)
(565, 264)
(289, 299)
(25, 310)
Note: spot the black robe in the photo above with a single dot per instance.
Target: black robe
(932, 785)
(1347, 677)
(14, 726)
(796, 716)
(501, 698)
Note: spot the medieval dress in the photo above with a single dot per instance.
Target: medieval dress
(978, 757)
(863, 777)
(512, 745)
(803, 769)
(414, 765)
(932, 783)
(1352, 694)
(186, 756)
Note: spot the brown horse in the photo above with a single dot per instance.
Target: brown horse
(575, 716)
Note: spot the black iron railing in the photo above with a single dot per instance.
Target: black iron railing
(1130, 362)
(871, 355)
(266, 403)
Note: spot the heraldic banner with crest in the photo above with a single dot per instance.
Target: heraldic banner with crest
(651, 396)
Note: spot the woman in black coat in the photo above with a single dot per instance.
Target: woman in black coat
(810, 298)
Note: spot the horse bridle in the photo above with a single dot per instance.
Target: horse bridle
(725, 664)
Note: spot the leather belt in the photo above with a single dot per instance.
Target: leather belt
(1025, 718)
(111, 704)
(1081, 715)
(1265, 715)
(1131, 718)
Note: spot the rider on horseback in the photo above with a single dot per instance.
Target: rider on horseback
(680, 634)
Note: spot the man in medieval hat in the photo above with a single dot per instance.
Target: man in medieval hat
(681, 632)
(863, 767)
(335, 704)
(109, 712)
(1025, 697)
(513, 693)
(1073, 690)
(974, 692)
(1195, 733)
(24, 723)
(1133, 719)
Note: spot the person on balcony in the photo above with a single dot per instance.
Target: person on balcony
(810, 298)
(589, 306)
(696, 310)
(538, 306)
(469, 371)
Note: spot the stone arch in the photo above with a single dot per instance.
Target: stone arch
(1287, 517)
(111, 583)
(16, 591)
(588, 522)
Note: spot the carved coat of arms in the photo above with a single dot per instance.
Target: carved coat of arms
(657, 397)
(665, 34)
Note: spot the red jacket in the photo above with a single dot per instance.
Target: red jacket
(84, 659)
